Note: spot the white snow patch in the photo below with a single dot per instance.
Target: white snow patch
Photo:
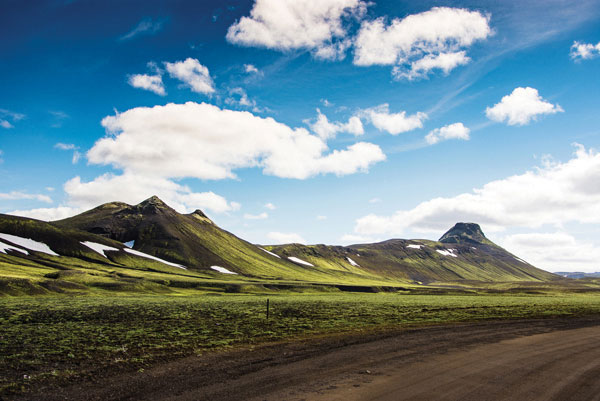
(94, 246)
(473, 247)
(270, 253)
(29, 244)
(302, 262)
(222, 270)
(520, 260)
(129, 244)
(145, 255)
(414, 246)
(353, 263)
(5, 247)
(447, 252)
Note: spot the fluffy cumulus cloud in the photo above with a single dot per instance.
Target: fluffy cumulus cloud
(298, 24)
(452, 131)
(420, 43)
(553, 194)
(285, 238)
(521, 107)
(132, 189)
(327, 130)
(393, 123)
(206, 142)
(554, 251)
(270, 206)
(193, 74)
(584, 51)
(16, 195)
(152, 83)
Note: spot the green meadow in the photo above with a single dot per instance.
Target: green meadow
(53, 340)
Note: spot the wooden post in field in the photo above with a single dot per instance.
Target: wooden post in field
(267, 308)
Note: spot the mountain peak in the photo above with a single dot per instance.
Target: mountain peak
(465, 233)
(152, 205)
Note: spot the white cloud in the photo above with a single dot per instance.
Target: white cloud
(553, 194)
(238, 96)
(393, 123)
(327, 130)
(76, 157)
(270, 206)
(260, 216)
(6, 124)
(65, 146)
(451, 131)
(48, 213)
(521, 107)
(321, 217)
(59, 117)
(374, 200)
(251, 69)
(555, 251)
(584, 51)
(145, 27)
(422, 67)
(132, 189)
(419, 43)
(152, 83)
(298, 24)
(285, 238)
(6, 115)
(69, 146)
(16, 195)
(195, 75)
(206, 142)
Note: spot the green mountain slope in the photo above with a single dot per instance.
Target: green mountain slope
(172, 251)
(463, 253)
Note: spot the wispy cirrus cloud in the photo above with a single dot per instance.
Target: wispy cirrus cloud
(8, 118)
(147, 26)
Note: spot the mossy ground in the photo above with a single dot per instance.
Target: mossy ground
(53, 340)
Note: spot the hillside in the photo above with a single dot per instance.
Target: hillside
(150, 247)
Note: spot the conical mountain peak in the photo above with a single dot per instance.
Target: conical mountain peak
(465, 233)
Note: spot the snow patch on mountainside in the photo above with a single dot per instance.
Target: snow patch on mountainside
(5, 247)
(145, 255)
(447, 252)
(270, 253)
(222, 270)
(414, 246)
(99, 248)
(28, 243)
(353, 263)
(302, 262)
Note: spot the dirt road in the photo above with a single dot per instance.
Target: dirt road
(551, 359)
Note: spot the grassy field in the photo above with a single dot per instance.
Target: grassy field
(55, 340)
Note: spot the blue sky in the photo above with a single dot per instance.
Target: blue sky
(332, 121)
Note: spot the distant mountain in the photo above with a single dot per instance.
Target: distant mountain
(577, 275)
(463, 253)
(152, 247)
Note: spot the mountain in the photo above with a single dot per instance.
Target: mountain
(465, 233)
(150, 247)
(463, 253)
(577, 275)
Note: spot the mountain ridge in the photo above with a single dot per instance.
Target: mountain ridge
(190, 248)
